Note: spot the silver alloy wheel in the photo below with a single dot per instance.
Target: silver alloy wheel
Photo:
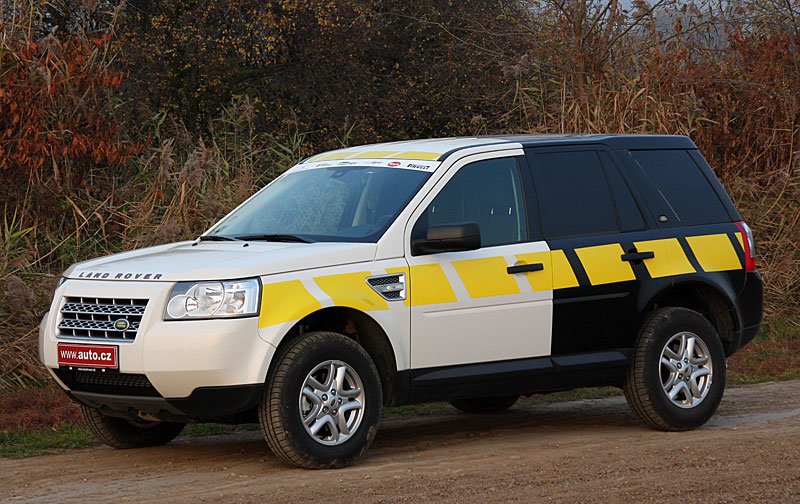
(332, 402)
(686, 370)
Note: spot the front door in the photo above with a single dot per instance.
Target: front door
(489, 304)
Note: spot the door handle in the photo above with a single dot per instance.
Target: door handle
(637, 256)
(524, 268)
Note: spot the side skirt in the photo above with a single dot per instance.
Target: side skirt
(520, 376)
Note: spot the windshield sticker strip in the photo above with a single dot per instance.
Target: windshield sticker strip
(376, 154)
(404, 164)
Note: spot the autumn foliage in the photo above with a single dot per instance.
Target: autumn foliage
(126, 124)
(55, 105)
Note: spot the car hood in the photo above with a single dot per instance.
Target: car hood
(188, 261)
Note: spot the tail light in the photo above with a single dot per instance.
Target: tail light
(749, 246)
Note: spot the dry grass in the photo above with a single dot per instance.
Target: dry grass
(774, 214)
(739, 105)
(19, 361)
(176, 190)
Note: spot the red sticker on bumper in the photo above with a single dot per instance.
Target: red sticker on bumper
(88, 356)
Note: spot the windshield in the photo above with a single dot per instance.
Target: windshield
(353, 203)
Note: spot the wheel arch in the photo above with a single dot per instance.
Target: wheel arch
(360, 327)
(710, 300)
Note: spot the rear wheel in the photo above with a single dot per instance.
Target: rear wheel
(677, 378)
(322, 404)
(122, 433)
(485, 404)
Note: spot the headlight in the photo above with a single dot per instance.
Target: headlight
(193, 300)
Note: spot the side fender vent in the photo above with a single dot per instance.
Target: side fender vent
(390, 287)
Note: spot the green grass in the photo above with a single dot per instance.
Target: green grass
(774, 355)
(784, 327)
(18, 444)
(754, 378)
(15, 444)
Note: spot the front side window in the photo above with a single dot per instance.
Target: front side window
(488, 193)
(353, 203)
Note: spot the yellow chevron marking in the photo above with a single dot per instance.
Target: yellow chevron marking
(739, 239)
(540, 280)
(603, 264)
(714, 252)
(429, 285)
(563, 276)
(285, 301)
(351, 290)
(669, 258)
(418, 155)
(486, 277)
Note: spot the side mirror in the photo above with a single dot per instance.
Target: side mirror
(449, 238)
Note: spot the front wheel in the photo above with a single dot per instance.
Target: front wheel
(677, 377)
(122, 433)
(322, 403)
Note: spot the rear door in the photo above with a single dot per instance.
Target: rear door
(468, 307)
(692, 208)
(612, 249)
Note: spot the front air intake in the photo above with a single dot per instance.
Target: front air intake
(391, 287)
(97, 382)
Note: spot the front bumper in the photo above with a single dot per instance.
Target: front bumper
(182, 360)
(233, 404)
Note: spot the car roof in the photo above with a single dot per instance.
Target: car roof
(433, 149)
(429, 149)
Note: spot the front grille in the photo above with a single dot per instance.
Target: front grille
(101, 318)
(98, 382)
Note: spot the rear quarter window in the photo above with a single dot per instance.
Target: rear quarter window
(683, 185)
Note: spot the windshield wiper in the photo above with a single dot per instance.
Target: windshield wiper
(274, 238)
(217, 238)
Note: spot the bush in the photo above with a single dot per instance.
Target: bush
(129, 124)
(56, 110)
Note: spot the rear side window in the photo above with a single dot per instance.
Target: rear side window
(683, 185)
(574, 196)
(630, 217)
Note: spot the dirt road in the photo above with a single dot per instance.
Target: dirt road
(579, 451)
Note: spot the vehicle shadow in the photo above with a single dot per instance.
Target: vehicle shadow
(399, 432)
(419, 427)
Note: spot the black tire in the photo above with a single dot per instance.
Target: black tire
(280, 409)
(485, 405)
(122, 434)
(644, 385)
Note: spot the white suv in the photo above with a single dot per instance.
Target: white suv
(472, 270)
